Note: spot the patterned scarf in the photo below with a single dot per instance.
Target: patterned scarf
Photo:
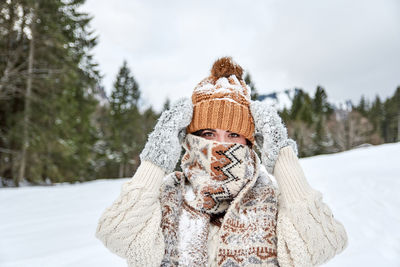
(216, 171)
(214, 175)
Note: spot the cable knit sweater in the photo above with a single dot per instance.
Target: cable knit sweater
(307, 232)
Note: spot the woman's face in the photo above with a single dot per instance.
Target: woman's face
(222, 136)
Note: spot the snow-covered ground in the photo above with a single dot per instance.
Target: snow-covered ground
(55, 226)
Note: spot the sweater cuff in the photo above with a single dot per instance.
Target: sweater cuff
(149, 175)
(290, 177)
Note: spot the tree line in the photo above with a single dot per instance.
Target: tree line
(53, 128)
(320, 127)
(58, 125)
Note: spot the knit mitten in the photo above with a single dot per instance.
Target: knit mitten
(163, 146)
(270, 133)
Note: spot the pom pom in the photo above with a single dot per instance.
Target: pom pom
(225, 67)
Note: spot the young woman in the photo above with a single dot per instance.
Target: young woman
(222, 209)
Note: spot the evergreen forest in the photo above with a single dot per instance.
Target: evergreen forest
(57, 124)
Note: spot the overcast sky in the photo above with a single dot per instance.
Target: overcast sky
(349, 47)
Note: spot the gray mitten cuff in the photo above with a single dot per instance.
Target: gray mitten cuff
(163, 146)
(271, 133)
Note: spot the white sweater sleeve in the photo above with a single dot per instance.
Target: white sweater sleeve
(308, 234)
(130, 227)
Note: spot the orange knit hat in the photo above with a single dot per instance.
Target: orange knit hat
(221, 101)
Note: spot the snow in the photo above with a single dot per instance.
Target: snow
(55, 225)
(226, 99)
(191, 227)
(223, 86)
(362, 188)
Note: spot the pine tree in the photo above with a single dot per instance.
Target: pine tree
(297, 104)
(321, 106)
(321, 111)
(391, 124)
(167, 104)
(47, 76)
(66, 134)
(302, 107)
(363, 106)
(254, 93)
(306, 112)
(285, 115)
(319, 137)
(376, 114)
(319, 100)
(125, 120)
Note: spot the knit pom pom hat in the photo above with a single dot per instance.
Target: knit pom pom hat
(222, 100)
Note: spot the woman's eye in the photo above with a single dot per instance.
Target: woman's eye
(207, 134)
(234, 135)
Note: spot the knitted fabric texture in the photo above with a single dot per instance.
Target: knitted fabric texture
(163, 146)
(271, 134)
(307, 231)
(247, 233)
(216, 171)
(221, 101)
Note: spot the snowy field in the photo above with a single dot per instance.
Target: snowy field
(55, 226)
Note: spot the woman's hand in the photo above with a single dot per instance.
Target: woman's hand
(270, 133)
(163, 146)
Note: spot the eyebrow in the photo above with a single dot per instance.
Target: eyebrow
(212, 130)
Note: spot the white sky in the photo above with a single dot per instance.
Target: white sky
(349, 47)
